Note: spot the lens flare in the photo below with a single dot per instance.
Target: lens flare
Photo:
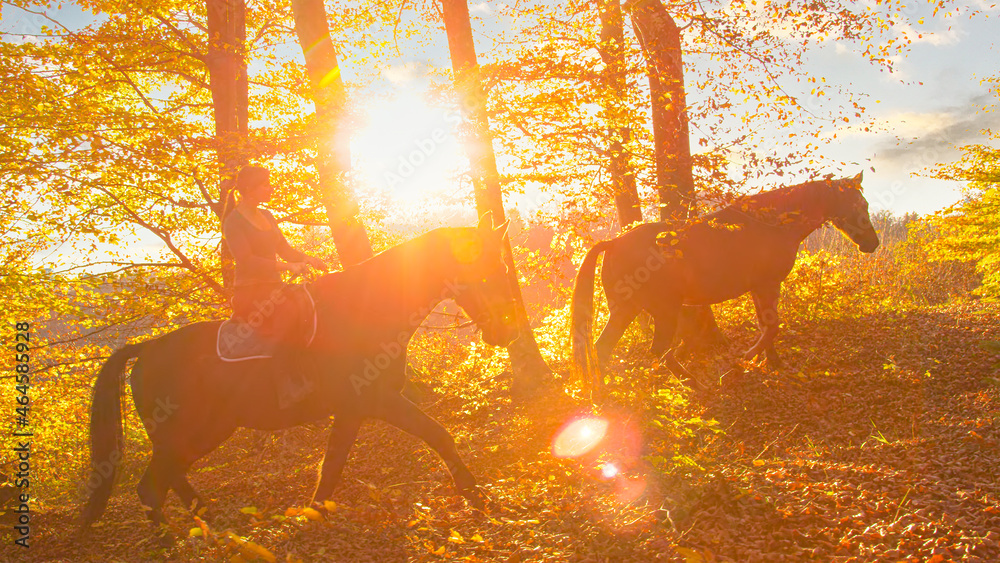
(609, 470)
(407, 148)
(628, 490)
(579, 437)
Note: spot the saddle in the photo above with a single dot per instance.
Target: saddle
(239, 340)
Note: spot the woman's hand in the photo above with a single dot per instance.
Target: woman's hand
(296, 267)
(317, 263)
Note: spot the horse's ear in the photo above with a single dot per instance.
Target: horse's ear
(486, 221)
(501, 231)
(859, 176)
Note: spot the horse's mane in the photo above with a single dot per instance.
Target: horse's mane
(808, 198)
(403, 256)
(783, 195)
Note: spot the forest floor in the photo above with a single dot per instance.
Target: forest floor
(878, 441)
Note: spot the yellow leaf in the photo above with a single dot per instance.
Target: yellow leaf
(329, 505)
(690, 555)
(439, 551)
(476, 538)
(260, 551)
(312, 514)
(196, 532)
(456, 537)
(758, 462)
(249, 510)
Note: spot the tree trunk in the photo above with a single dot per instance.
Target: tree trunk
(227, 73)
(526, 361)
(660, 39)
(612, 51)
(333, 158)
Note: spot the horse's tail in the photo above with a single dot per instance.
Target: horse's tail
(106, 432)
(582, 316)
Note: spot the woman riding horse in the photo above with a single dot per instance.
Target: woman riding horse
(190, 401)
(260, 297)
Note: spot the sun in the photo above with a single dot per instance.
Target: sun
(408, 148)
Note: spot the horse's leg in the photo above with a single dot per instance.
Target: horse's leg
(153, 487)
(342, 435)
(766, 304)
(192, 501)
(175, 474)
(619, 320)
(206, 440)
(401, 413)
(664, 328)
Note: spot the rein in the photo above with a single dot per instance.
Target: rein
(468, 323)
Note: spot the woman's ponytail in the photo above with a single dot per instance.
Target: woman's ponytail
(231, 200)
(247, 178)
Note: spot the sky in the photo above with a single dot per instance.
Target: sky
(933, 102)
(930, 105)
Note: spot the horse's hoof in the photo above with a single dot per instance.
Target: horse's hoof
(476, 497)
(732, 377)
(700, 388)
(164, 537)
(325, 507)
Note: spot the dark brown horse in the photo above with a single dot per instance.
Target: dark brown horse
(190, 401)
(749, 246)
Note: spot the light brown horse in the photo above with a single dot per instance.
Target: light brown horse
(190, 401)
(749, 246)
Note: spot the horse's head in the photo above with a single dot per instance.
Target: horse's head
(482, 288)
(848, 211)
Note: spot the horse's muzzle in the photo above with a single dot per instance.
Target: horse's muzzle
(500, 333)
(869, 246)
(502, 338)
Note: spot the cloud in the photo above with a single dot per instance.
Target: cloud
(481, 8)
(406, 72)
(947, 36)
(929, 138)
